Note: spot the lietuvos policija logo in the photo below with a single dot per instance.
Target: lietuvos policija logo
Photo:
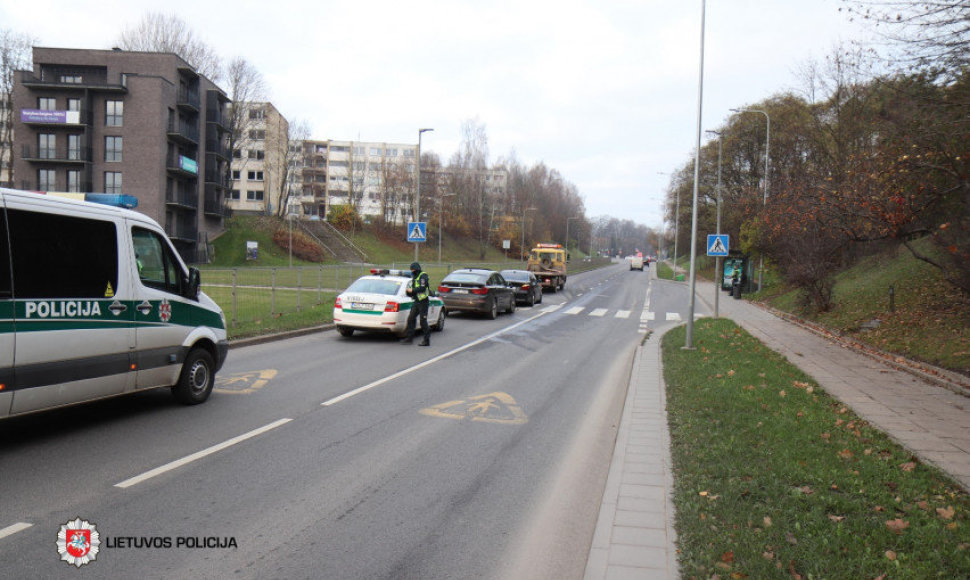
(78, 542)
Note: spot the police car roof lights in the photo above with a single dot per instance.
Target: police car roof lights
(387, 272)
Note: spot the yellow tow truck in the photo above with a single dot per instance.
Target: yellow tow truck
(548, 262)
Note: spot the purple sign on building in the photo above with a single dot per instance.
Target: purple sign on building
(39, 116)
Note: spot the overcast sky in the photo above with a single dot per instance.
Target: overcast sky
(605, 91)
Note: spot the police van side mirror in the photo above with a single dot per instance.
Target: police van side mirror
(194, 283)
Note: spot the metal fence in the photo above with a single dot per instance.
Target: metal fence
(248, 294)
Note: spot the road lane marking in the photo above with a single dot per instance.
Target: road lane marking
(243, 383)
(431, 361)
(200, 454)
(598, 312)
(575, 310)
(552, 308)
(491, 408)
(623, 314)
(675, 316)
(11, 530)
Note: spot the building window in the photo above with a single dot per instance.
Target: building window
(74, 181)
(392, 152)
(257, 114)
(46, 180)
(112, 182)
(114, 112)
(257, 154)
(257, 134)
(74, 104)
(234, 194)
(235, 175)
(74, 147)
(237, 154)
(254, 195)
(255, 176)
(46, 146)
(71, 79)
(375, 151)
(47, 104)
(112, 148)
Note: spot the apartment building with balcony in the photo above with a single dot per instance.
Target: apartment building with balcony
(6, 153)
(259, 159)
(377, 178)
(138, 123)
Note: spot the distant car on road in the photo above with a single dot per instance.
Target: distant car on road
(476, 290)
(378, 303)
(636, 263)
(528, 288)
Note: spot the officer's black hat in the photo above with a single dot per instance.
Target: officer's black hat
(415, 266)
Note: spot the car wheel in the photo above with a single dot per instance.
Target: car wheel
(440, 325)
(511, 309)
(532, 298)
(344, 331)
(196, 379)
(539, 301)
(493, 309)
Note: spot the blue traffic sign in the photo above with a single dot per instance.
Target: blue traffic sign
(717, 245)
(418, 232)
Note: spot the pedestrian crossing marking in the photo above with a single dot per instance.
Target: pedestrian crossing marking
(673, 316)
(598, 312)
(623, 314)
(575, 310)
(552, 308)
(646, 315)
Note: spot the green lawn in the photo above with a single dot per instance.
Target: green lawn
(775, 479)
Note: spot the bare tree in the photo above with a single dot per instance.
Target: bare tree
(159, 32)
(291, 157)
(15, 54)
(934, 34)
(247, 91)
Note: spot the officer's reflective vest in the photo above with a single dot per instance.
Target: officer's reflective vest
(422, 294)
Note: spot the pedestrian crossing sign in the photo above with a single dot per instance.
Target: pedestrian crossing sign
(717, 245)
(418, 232)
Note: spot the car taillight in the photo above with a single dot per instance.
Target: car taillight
(392, 307)
(479, 291)
(337, 304)
(444, 289)
(526, 287)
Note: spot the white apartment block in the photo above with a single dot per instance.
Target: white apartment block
(375, 177)
(259, 160)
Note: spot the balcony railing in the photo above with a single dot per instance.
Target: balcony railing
(182, 197)
(189, 99)
(215, 204)
(183, 130)
(59, 185)
(57, 154)
(89, 80)
(182, 231)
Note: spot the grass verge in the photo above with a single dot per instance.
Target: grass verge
(774, 478)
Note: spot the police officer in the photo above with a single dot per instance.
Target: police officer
(419, 289)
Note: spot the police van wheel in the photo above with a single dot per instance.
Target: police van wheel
(195, 382)
(344, 331)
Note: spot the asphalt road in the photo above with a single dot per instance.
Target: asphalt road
(483, 456)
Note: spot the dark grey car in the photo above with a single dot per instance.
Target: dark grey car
(528, 288)
(476, 290)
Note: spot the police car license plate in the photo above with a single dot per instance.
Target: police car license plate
(362, 306)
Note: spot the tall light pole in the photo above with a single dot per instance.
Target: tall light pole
(761, 261)
(417, 188)
(718, 273)
(522, 247)
(567, 234)
(689, 342)
(441, 201)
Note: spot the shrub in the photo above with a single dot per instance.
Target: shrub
(304, 248)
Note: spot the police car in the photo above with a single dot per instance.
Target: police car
(379, 302)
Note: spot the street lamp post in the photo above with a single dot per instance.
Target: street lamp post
(417, 187)
(689, 342)
(761, 260)
(718, 273)
(441, 202)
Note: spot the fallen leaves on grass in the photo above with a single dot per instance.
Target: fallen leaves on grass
(846, 454)
(908, 466)
(946, 513)
(890, 555)
(897, 525)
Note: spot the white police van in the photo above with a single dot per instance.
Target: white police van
(95, 302)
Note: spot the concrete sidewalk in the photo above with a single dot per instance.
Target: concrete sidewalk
(634, 535)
